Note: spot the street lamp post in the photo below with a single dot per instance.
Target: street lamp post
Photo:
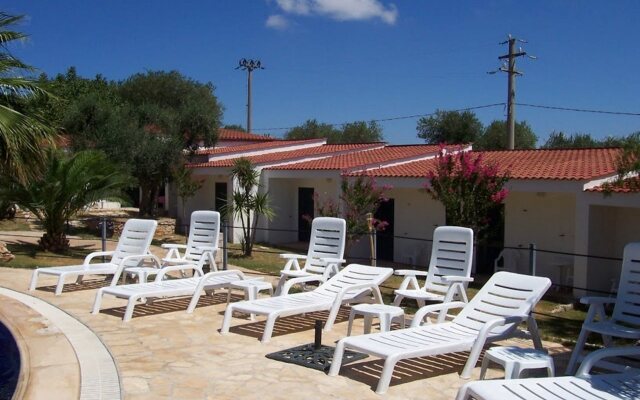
(249, 66)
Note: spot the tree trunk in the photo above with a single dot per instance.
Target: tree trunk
(5, 254)
(148, 200)
(55, 242)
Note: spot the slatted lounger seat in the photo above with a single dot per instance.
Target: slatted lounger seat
(583, 386)
(132, 249)
(494, 313)
(354, 284)
(162, 287)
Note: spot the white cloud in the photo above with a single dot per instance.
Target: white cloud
(342, 10)
(278, 22)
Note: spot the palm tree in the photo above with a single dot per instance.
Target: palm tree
(67, 185)
(247, 204)
(23, 131)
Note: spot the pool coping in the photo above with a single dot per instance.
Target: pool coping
(99, 375)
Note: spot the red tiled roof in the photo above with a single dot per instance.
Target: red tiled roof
(382, 155)
(255, 146)
(292, 155)
(631, 185)
(232, 134)
(554, 164)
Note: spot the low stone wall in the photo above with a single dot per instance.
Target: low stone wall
(166, 227)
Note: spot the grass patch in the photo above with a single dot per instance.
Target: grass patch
(16, 224)
(29, 256)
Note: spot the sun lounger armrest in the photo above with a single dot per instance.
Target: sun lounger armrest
(173, 246)
(453, 278)
(410, 272)
(423, 311)
(298, 280)
(591, 359)
(372, 286)
(229, 272)
(89, 257)
(122, 266)
(494, 323)
(597, 300)
(174, 250)
(292, 261)
(180, 267)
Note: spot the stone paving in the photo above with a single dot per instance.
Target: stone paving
(165, 353)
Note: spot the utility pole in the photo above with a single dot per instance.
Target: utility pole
(509, 66)
(249, 66)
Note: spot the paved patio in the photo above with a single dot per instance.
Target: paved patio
(164, 353)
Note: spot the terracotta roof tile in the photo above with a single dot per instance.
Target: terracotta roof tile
(631, 185)
(290, 156)
(232, 134)
(255, 146)
(553, 164)
(384, 155)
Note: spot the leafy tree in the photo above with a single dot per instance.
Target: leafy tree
(495, 137)
(359, 132)
(67, 185)
(628, 165)
(450, 127)
(559, 140)
(353, 132)
(234, 127)
(468, 188)
(311, 129)
(24, 132)
(247, 204)
(186, 186)
(144, 123)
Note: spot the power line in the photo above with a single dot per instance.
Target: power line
(584, 110)
(394, 118)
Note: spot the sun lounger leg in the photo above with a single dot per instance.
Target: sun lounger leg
(397, 300)
(194, 301)
(280, 285)
(79, 279)
(98, 302)
(387, 372)
(474, 355)
(268, 327)
(577, 350)
(337, 359)
(128, 314)
(463, 392)
(226, 322)
(60, 285)
(331, 319)
(34, 280)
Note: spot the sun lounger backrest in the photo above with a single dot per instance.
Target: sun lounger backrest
(505, 294)
(327, 241)
(135, 240)
(204, 231)
(451, 255)
(627, 307)
(354, 274)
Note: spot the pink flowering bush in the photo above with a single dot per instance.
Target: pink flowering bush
(468, 187)
(358, 198)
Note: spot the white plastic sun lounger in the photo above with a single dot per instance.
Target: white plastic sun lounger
(132, 248)
(583, 386)
(495, 312)
(354, 284)
(169, 288)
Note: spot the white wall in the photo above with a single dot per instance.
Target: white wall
(283, 195)
(610, 229)
(416, 216)
(546, 219)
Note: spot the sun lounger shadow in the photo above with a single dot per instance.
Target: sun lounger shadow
(77, 287)
(169, 305)
(290, 324)
(409, 370)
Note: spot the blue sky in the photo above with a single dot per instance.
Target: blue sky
(347, 60)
